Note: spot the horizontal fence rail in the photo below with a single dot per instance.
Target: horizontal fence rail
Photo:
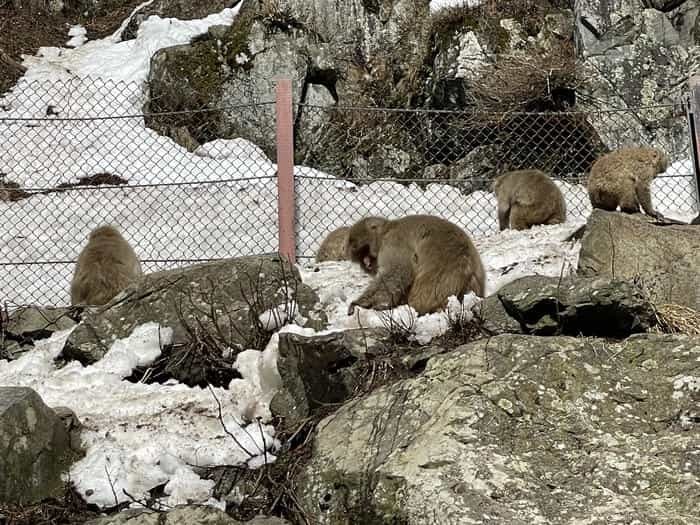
(202, 184)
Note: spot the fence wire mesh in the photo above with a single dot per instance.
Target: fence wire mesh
(80, 153)
(396, 162)
(66, 168)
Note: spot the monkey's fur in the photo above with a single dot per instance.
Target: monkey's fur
(105, 267)
(623, 178)
(419, 259)
(334, 246)
(526, 198)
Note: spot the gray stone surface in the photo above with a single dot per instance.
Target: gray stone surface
(187, 515)
(519, 429)
(224, 297)
(318, 371)
(34, 448)
(636, 53)
(597, 306)
(664, 260)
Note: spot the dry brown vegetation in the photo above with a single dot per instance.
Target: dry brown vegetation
(24, 32)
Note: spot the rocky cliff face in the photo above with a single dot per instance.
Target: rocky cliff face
(515, 56)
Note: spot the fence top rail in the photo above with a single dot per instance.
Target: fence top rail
(493, 113)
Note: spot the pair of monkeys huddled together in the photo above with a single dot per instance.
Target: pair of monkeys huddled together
(421, 260)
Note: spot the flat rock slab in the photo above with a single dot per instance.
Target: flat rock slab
(594, 306)
(663, 259)
(519, 429)
(225, 298)
(34, 448)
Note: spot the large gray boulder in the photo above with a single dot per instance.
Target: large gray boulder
(320, 370)
(332, 51)
(28, 324)
(634, 53)
(34, 448)
(664, 260)
(597, 306)
(233, 300)
(187, 515)
(519, 429)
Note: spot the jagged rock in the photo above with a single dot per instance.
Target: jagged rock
(329, 50)
(522, 429)
(34, 448)
(188, 515)
(317, 371)
(665, 260)
(494, 317)
(180, 9)
(597, 306)
(633, 55)
(224, 297)
(476, 169)
(28, 324)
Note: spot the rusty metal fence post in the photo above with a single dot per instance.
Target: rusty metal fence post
(694, 124)
(285, 169)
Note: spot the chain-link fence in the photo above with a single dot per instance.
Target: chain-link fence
(75, 155)
(443, 162)
(78, 154)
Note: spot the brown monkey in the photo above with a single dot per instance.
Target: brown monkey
(623, 178)
(334, 246)
(526, 198)
(105, 267)
(419, 259)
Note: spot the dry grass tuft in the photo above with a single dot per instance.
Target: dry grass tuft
(677, 319)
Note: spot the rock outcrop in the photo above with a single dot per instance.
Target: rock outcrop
(664, 260)
(189, 515)
(594, 306)
(519, 429)
(634, 53)
(242, 300)
(34, 448)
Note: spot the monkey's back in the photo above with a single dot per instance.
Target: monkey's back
(333, 247)
(106, 266)
(444, 258)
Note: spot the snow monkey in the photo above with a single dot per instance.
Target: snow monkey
(334, 246)
(623, 178)
(526, 198)
(105, 267)
(419, 259)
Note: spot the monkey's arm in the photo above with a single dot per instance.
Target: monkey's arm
(387, 290)
(644, 197)
(503, 216)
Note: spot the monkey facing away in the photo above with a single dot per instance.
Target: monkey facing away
(526, 198)
(623, 178)
(105, 267)
(334, 246)
(419, 259)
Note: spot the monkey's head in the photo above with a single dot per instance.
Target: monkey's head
(364, 241)
(659, 159)
(104, 232)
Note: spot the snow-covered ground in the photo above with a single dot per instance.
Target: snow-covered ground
(218, 202)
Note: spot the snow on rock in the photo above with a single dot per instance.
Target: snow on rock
(138, 436)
